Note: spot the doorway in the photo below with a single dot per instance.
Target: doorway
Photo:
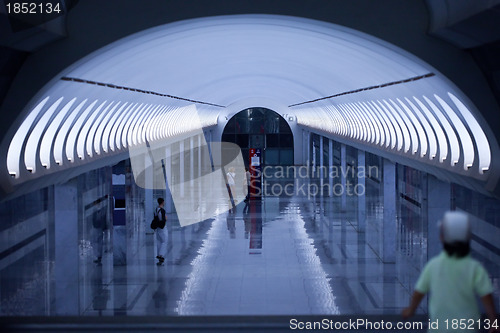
(261, 128)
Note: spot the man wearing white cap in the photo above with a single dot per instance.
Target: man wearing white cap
(454, 280)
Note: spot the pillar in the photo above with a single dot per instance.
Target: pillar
(199, 164)
(304, 147)
(66, 244)
(389, 221)
(330, 167)
(191, 161)
(343, 168)
(199, 155)
(120, 239)
(308, 145)
(182, 178)
(313, 160)
(361, 189)
(389, 273)
(321, 163)
(438, 202)
(168, 174)
(148, 193)
(321, 157)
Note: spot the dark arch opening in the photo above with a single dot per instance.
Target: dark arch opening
(261, 128)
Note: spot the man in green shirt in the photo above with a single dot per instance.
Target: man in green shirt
(454, 280)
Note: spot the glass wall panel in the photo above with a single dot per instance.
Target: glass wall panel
(228, 137)
(485, 224)
(272, 123)
(411, 223)
(242, 125)
(242, 140)
(374, 203)
(286, 157)
(257, 141)
(286, 140)
(272, 140)
(272, 156)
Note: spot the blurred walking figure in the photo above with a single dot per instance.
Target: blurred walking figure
(231, 175)
(161, 232)
(247, 221)
(231, 223)
(247, 183)
(454, 279)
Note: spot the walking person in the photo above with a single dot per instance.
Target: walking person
(161, 232)
(453, 280)
(247, 183)
(231, 175)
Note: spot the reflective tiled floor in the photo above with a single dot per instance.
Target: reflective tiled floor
(278, 256)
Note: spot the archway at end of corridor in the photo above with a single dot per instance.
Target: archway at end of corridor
(264, 129)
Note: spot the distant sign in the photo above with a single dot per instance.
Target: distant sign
(255, 160)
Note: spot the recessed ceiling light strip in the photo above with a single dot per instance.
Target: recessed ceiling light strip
(114, 86)
(415, 78)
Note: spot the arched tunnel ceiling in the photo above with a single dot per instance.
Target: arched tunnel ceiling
(119, 93)
(227, 59)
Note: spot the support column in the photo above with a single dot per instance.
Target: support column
(389, 222)
(321, 163)
(199, 156)
(120, 233)
(191, 161)
(168, 175)
(343, 168)
(181, 167)
(330, 167)
(438, 202)
(66, 252)
(308, 144)
(389, 228)
(313, 161)
(304, 147)
(199, 166)
(361, 189)
(148, 192)
(321, 157)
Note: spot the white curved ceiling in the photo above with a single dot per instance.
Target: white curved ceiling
(94, 109)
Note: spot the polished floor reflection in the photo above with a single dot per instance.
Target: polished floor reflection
(282, 255)
(278, 256)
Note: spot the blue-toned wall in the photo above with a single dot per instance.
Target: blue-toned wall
(416, 239)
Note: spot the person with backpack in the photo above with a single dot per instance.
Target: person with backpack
(161, 231)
